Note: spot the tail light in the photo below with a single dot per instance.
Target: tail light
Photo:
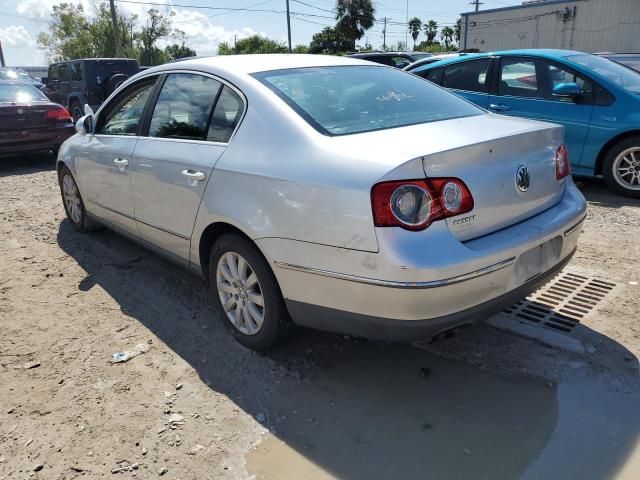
(563, 166)
(415, 204)
(59, 114)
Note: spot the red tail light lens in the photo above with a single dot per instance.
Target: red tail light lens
(415, 204)
(59, 114)
(563, 166)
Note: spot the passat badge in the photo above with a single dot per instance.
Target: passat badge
(522, 178)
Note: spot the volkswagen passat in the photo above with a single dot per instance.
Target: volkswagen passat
(326, 192)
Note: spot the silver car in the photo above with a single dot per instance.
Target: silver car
(326, 192)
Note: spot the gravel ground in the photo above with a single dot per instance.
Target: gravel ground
(196, 405)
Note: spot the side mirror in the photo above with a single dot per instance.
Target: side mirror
(88, 110)
(85, 125)
(567, 90)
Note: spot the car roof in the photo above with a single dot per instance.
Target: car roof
(248, 64)
(534, 52)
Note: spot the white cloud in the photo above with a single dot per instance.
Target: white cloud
(16, 36)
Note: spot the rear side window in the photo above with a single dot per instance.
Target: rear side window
(184, 106)
(54, 72)
(226, 116)
(342, 100)
(434, 75)
(76, 71)
(518, 78)
(470, 76)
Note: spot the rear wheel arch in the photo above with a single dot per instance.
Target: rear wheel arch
(610, 144)
(209, 236)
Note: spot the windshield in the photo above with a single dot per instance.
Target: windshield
(14, 75)
(612, 71)
(353, 99)
(21, 94)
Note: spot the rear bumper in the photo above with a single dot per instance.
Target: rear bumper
(424, 282)
(34, 140)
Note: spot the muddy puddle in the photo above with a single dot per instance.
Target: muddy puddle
(391, 411)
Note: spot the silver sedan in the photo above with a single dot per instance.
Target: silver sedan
(326, 192)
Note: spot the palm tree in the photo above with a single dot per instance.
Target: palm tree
(458, 30)
(431, 30)
(447, 35)
(354, 17)
(415, 26)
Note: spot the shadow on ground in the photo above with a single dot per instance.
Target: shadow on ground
(25, 164)
(596, 192)
(357, 409)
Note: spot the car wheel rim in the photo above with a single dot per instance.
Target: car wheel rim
(71, 199)
(240, 293)
(626, 168)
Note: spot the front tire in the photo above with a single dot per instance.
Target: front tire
(246, 293)
(73, 204)
(621, 167)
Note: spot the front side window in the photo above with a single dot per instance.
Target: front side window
(226, 116)
(341, 100)
(470, 76)
(518, 78)
(125, 115)
(184, 106)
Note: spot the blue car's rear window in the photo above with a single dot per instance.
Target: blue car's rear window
(342, 100)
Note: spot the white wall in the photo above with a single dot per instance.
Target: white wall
(598, 25)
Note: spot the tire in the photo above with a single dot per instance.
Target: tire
(75, 109)
(75, 210)
(623, 155)
(114, 81)
(247, 329)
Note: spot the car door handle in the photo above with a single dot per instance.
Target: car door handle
(193, 175)
(120, 162)
(499, 107)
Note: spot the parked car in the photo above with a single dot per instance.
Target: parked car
(17, 74)
(631, 60)
(596, 100)
(393, 59)
(432, 59)
(87, 81)
(328, 192)
(29, 122)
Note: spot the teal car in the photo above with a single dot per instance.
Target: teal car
(595, 99)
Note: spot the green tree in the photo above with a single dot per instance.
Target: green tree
(301, 49)
(175, 51)
(158, 27)
(252, 44)
(329, 41)
(354, 18)
(458, 30)
(431, 31)
(415, 26)
(447, 36)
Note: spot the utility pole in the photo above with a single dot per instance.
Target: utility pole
(477, 3)
(384, 33)
(406, 30)
(114, 24)
(288, 25)
(1, 57)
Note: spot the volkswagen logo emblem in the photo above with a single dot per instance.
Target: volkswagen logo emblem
(522, 178)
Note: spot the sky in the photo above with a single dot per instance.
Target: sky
(206, 23)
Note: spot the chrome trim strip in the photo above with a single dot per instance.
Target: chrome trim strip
(394, 284)
(575, 227)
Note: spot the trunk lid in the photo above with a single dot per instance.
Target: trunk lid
(22, 117)
(511, 178)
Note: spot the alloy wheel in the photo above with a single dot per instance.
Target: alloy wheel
(72, 198)
(626, 168)
(240, 293)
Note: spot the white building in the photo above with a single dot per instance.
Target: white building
(586, 25)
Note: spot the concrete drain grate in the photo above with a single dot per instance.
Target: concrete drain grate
(562, 303)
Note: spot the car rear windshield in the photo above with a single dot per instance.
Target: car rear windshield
(343, 100)
(21, 94)
(612, 71)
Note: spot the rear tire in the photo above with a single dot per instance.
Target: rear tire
(621, 167)
(241, 280)
(73, 204)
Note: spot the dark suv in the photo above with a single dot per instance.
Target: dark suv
(89, 80)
